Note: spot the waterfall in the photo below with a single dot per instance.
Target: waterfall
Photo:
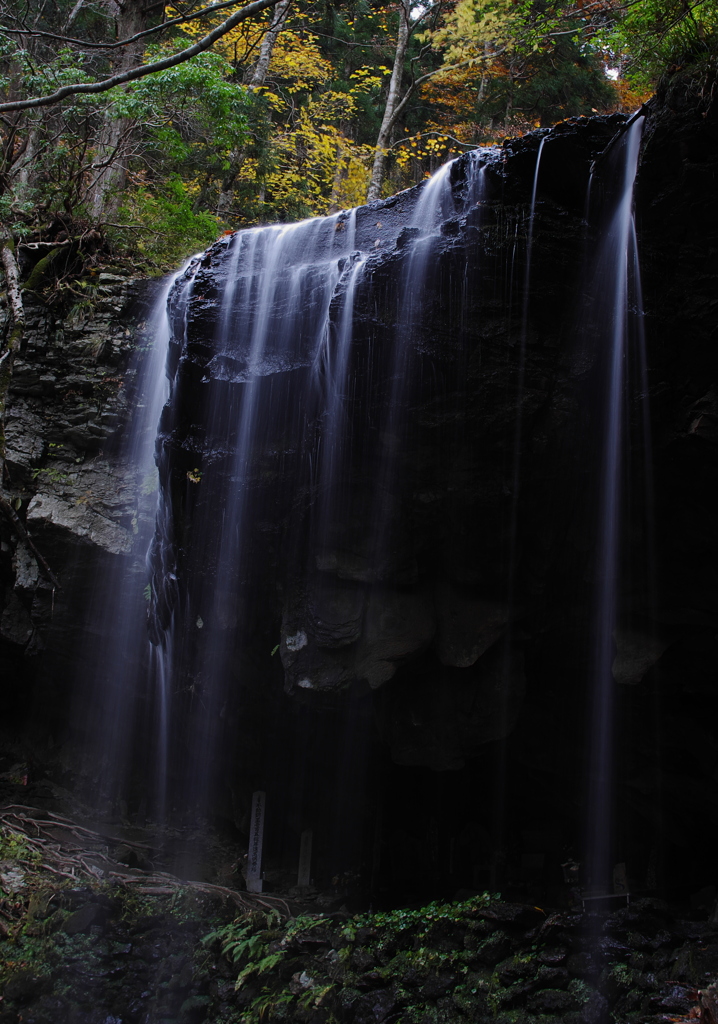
(316, 413)
(271, 320)
(284, 397)
(116, 694)
(613, 297)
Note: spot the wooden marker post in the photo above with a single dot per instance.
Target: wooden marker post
(305, 858)
(256, 836)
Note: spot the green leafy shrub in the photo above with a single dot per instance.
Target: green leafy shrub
(169, 229)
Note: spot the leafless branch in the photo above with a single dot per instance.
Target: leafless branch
(432, 74)
(117, 43)
(133, 74)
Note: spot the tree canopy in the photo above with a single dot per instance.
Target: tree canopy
(159, 125)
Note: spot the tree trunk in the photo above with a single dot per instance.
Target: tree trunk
(12, 277)
(256, 81)
(483, 87)
(17, 317)
(276, 24)
(24, 164)
(112, 152)
(392, 105)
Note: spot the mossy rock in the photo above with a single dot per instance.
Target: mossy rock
(24, 985)
(42, 269)
(494, 948)
(194, 1010)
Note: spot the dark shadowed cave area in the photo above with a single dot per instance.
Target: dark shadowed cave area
(443, 742)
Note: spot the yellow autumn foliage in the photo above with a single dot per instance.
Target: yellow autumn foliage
(298, 63)
(476, 30)
(239, 43)
(315, 167)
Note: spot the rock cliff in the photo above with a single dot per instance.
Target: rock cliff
(72, 394)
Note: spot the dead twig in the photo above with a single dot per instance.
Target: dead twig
(17, 525)
(641, 112)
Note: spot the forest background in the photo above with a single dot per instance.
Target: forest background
(228, 115)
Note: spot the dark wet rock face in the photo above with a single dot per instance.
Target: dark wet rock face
(411, 561)
(71, 396)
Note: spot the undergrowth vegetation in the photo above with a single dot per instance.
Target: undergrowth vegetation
(74, 945)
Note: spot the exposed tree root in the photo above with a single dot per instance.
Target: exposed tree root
(64, 849)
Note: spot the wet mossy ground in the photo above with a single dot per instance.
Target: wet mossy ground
(97, 954)
(103, 955)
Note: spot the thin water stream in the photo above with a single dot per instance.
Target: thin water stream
(119, 690)
(612, 319)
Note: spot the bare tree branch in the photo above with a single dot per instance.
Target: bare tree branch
(73, 13)
(91, 88)
(117, 43)
(19, 527)
(437, 71)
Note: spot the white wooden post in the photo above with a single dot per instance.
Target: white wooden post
(256, 836)
(305, 858)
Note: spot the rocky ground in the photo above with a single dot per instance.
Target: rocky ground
(94, 934)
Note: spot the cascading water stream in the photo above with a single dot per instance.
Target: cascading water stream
(530, 240)
(284, 318)
(112, 707)
(610, 313)
(500, 838)
(331, 379)
(520, 383)
(436, 205)
(278, 286)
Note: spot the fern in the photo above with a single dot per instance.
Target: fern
(258, 967)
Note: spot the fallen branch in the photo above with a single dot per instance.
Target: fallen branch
(85, 88)
(641, 112)
(17, 525)
(37, 246)
(127, 227)
(42, 268)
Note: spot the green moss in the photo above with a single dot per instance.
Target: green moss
(14, 846)
(622, 975)
(409, 946)
(42, 269)
(193, 1009)
(471, 997)
(581, 991)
